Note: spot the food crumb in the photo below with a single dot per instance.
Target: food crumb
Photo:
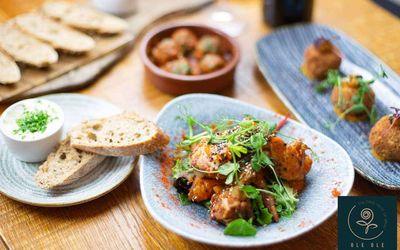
(194, 225)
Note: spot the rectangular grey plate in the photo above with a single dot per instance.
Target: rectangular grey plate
(280, 55)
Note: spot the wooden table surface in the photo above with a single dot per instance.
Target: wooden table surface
(119, 219)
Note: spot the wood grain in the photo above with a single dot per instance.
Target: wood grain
(119, 219)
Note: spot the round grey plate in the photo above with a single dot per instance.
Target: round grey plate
(333, 171)
(16, 177)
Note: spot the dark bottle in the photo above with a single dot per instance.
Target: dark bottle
(279, 12)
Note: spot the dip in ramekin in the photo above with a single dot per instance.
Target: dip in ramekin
(32, 128)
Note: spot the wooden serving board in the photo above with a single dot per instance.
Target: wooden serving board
(32, 77)
(73, 72)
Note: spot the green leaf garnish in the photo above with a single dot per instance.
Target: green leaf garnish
(250, 191)
(240, 227)
(332, 79)
(286, 199)
(183, 199)
(181, 167)
(227, 168)
(238, 150)
(357, 99)
(263, 216)
(207, 204)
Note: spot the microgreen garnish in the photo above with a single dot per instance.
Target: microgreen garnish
(395, 116)
(240, 227)
(358, 106)
(230, 170)
(32, 122)
(238, 143)
(260, 158)
(333, 79)
(181, 167)
(285, 197)
(247, 135)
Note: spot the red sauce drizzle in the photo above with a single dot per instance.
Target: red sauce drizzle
(335, 192)
(302, 224)
(167, 163)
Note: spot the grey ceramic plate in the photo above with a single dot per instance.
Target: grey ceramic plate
(16, 177)
(334, 170)
(280, 55)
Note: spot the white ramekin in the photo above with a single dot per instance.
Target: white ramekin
(35, 150)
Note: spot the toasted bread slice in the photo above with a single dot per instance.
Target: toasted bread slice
(24, 48)
(59, 36)
(125, 134)
(65, 166)
(84, 18)
(9, 71)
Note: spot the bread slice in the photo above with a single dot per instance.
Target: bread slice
(9, 71)
(24, 48)
(84, 18)
(125, 134)
(65, 166)
(56, 34)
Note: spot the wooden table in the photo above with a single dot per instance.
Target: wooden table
(119, 219)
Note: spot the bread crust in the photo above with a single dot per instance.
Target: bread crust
(59, 36)
(9, 71)
(84, 18)
(45, 177)
(25, 49)
(149, 144)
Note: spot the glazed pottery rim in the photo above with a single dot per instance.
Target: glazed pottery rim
(78, 201)
(187, 235)
(235, 51)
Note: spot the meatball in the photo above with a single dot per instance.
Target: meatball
(203, 188)
(207, 44)
(291, 161)
(185, 39)
(320, 57)
(348, 90)
(164, 51)
(180, 66)
(194, 66)
(385, 139)
(211, 62)
(230, 204)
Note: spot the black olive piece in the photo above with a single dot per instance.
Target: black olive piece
(182, 185)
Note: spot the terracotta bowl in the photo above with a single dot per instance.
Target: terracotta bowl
(181, 84)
